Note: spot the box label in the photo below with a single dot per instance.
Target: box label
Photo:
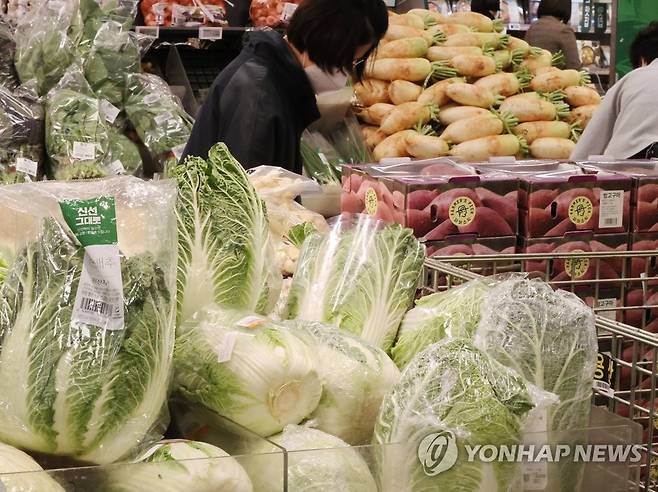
(462, 211)
(371, 201)
(608, 306)
(84, 151)
(27, 166)
(116, 167)
(211, 33)
(611, 211)
(576, 267)
(605, 370)
(581, 210)
(110, 111)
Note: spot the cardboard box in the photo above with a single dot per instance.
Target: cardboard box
(471, 244)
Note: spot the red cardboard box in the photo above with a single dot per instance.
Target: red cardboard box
(470, 244)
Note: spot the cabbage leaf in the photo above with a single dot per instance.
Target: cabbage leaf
(15, 476)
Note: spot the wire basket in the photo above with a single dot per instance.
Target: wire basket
(632, 351)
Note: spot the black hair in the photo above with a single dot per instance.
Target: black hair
(331, 31)
(555, 8)
(644, 47)
(485, 7)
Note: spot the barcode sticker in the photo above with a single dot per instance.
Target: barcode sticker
(110, 111)
(116, 167)
(225, 350)
(535, 476)
(211, 33)
(611, 209)
(288, 10)
(151, 98)
(251, 321)
(607, 308)
(162, 118)
(84, 151)
(603, 387)
(27, 166)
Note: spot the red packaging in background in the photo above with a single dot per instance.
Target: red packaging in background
(184, 13)
(470, 244)
(272, 13)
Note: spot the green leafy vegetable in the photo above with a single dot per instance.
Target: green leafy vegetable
(224, 240)
(122, 151)
(8, 75)
(15, 466)
(247, 369)
(452, 390)
(95, 14)
(453, 313)
(359, 278)
(299, 232)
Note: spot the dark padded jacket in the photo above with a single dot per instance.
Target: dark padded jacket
(259, 105)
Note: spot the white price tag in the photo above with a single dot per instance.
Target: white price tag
(211, 33)
(27, 166)
(163, 118)
(288, 10)
(151, 98)
(603, 387)
(611, 209)
(251, 321)
(99, 300)
(110, 111)
(178, 151)
(537, 420)
(609, 305)
(116, 167)
(84, 151)
(535, 476)
(225, 351)
(148, 31)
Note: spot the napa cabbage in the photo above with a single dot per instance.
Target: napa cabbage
(15, 476)
(361, 277)
(246, 368)
(355, 375)
(451, 313)
(455, 392)
(225, 254)
(317, 461)
(174, 466)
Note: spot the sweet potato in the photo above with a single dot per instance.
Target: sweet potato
(472, 128)
(529, 108)
(647, 192)
(474, 65)
(372, 91)
(443, 169)
(542, 198)
(540, 222)
(402, 91)
(482, 149)
(375, 114)
(404, 48)
(476, 21)
(436, 93)
(452, 250)
(647, 215)
(419, 199)
(505, 208)
(471, 95)
(583, 115)
(532, 130)
(445, 228)
(556, 80)
(351, 203)
(440, 206)
(372, 135)
(447, 53)
(561, 229)
(426, 146)
(577, 96)
(449, 115)
(407, 115)
(393, 146)
(487, 222)
(411, 69)
(592, 223)
(420, 221)
(560, 206)
(505, 84)
(552, 148)
(384, 212)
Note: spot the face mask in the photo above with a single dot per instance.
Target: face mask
(323, 81)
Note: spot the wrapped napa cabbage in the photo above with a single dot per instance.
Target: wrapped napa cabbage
(77, 134)
(15, 476)
(454, 394)
(317, 461)
(88, 331)
(361, 277)
(453, 313)
(225, 254)
(157, 114)
(175, 466)
(247, 369)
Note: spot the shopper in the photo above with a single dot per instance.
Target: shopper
(626, 124)
(260, 104)
(553, 32)
(490, 8)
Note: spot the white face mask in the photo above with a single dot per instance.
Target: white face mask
(323, 81)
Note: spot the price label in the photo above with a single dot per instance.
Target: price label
(163, 118)
(611, 209)
(110, 111)
(27, 166)
(116, 168)
(148, 31)
(151, 98)
(288, 10)
(211, 33)
(84, 151)
(607, 308)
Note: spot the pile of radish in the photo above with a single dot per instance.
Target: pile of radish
(453, 85)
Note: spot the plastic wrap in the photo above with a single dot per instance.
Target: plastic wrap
(14, 465)
(451, 395)
(77, 133)
(8, 75)
(21, 136)
(184, 13)
(321, 160)
(272, 13)
(157, 115)
(316, 461)
(356, 376)
(43, 48)
(361, 277)
(123, 156)
(87, 316)
(95, 13)
(256, 373)
(454, 313)
(115, 53)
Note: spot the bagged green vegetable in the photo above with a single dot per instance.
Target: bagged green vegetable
(95, 13)
(43, 48)
(77, 133)
(114, 53)
(123, 156)
(87, 316)
(321, 160)
(21, 136)
(157, 115)
(8, 75)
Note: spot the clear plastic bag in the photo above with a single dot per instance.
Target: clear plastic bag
(43, 48)
(123, 156)
(321, 160)
(21, 136)
(87, 313)
(157, 115)
(272, 13)
(114, 53)
(8, 75)
(95, 14)
(77, 134)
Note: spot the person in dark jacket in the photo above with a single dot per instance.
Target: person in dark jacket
(260, 104)
(490, 8)
(552, 31)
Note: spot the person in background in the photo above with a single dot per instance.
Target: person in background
(260, 104)
(490, 8)
(552, 31)
(625, 126)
